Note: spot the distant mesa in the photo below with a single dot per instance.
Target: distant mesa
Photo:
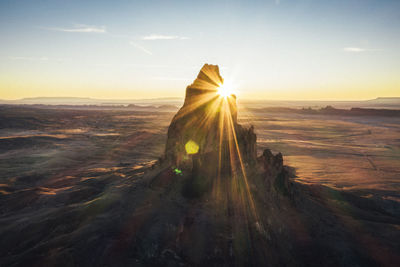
(332, 111)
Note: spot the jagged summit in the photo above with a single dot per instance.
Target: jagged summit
(208, 79)
(205, 88)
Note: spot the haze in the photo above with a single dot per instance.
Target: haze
(277, 49)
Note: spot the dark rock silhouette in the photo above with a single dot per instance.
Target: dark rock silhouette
(199, 119)
(209, 121)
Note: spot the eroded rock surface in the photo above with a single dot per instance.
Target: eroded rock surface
(200, 120)
(208, 121)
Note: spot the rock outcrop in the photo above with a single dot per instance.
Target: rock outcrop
(201, 117)
(208, 122)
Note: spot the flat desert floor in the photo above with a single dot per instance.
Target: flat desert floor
(345, 152)
(45, 147)
(79, 186)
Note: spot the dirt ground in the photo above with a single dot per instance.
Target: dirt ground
(351, 153)
(74, 191)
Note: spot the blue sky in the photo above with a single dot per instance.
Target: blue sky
(287, 49)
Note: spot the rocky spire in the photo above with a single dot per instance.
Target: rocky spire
(202, 134)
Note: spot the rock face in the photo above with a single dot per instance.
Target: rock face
(208, 122)
(200, 120)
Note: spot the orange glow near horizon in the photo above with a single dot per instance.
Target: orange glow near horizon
(15, 90)
(118, 84)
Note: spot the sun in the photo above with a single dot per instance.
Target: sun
(225, 90)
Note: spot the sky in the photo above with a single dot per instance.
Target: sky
(271, 49)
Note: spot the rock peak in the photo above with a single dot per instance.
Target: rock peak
(208, 122)
(206, 84)
(208, 78)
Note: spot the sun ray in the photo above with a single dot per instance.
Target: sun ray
(242, 167)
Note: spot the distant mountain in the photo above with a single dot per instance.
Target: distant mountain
(92, 101)
(387, 100)
(329, 110)
(380, 102)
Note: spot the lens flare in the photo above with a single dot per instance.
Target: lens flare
(191, 147)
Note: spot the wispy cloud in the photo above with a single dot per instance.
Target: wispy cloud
(39, 59)
(277, 2)
(30, 58)
(358, 49)
(81, 28)
(141, 48)
(169, 79)
(153, 37)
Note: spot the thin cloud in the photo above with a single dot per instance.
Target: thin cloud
(40, 59)
(358, 49)
(81, 28)
(30, 58)
(153, 37)
(141, 48)
(141, 66)
(277, 2)
(169, 79)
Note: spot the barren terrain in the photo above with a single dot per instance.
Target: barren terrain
(74, 190)
(40, 146)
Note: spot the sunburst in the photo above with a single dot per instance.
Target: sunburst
(226, 89)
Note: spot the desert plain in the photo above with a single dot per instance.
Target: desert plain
(73, 184)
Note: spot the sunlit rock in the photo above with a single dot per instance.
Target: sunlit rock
(206, 141)
(209, 121)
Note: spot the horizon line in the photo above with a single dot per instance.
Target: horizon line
(182, 98)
